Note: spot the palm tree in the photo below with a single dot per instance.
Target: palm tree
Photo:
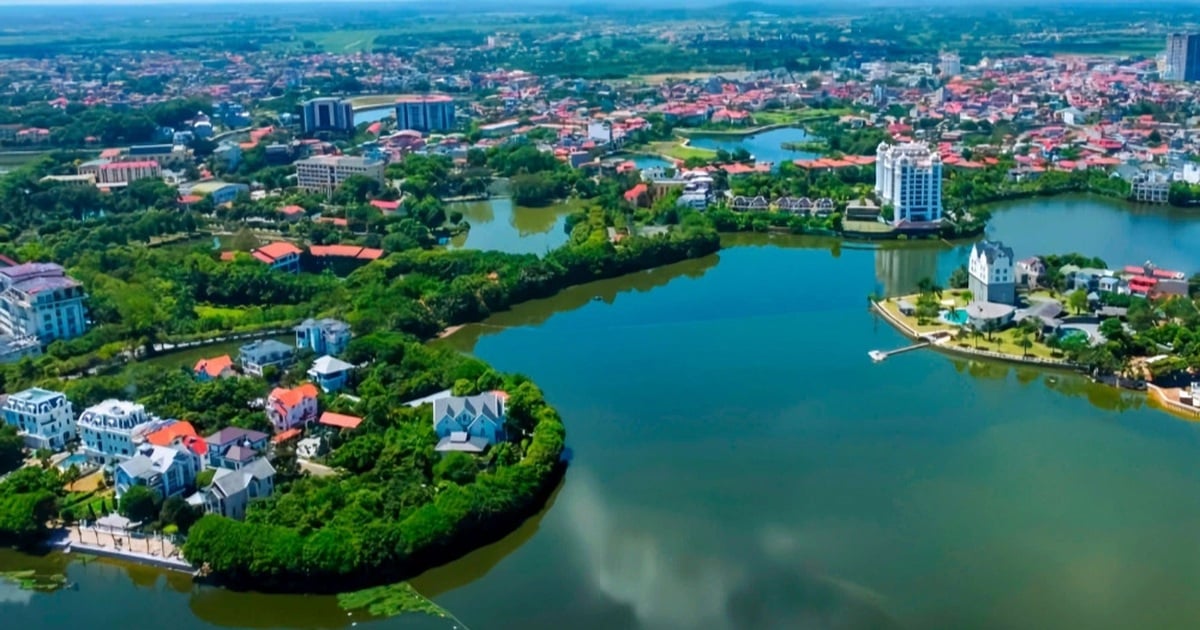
(1025, 342)
(975, 334)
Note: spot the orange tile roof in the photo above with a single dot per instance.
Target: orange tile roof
(228, 256)
(289, 398)
(292, 210)
(285, 436)
(346, 251)
(278, 249)
(168, 434)
(214, 366)
(340, 420)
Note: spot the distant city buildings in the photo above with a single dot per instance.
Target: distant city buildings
(328, 114)
(908, 177)
(1183, 57)
(324, 173)
(425, 112)
(40, 300)
(950, 64)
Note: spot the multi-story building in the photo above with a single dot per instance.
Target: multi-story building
(291, 408)
(109, 174)
(908, 177)
(110, 430)
(323, 336)
(326, 114)
(425, 112)
(324, 173)
(1183, 57)
(168, 470)
(218, 192)
(950, 64)
(40, 300)
(258, 355)
(990, 273)
(280, 255)
(44, 418)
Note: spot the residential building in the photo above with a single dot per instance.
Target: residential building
(324, 173)
(908, 177)
(290, 408)
(425, 112)
(1148, 279)
(14, 348)
(232, 448)
(257, 355)
(46, 419)
(990, 271)
(339, 421)
(280, 255)
(233, 489)
(327, 114)
(110, 430)
(1183, 57)
(219, 192)
(179, 433)
(214, 368)
(40, 300)
(1150, 187)
(470, 423)
(950, 64)
(109, 174)
(329, 373)
(323, 336)
(168, 470)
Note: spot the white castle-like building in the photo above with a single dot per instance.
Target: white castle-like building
(909, 178)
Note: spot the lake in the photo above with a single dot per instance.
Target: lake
(498, 224)
(374, 114)
(739, 462)
(765, 146)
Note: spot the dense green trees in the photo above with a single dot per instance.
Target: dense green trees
(27, 502)
(12, 451)
(140, 504)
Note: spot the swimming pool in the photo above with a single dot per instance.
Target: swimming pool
(958, 317)
(79, 460)
(1066, 333)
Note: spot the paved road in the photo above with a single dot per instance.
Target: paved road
(315, 469)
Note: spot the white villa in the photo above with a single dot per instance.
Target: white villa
(990, 271)
(110, 430)
(44, 418)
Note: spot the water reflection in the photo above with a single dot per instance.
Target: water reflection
(497, 224)
(648, 563)
(535, 312)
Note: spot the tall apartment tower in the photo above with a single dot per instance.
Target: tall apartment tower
(1183, 57)
(327, 114)
(425, 112)
(909, 178)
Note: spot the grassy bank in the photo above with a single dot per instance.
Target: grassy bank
(679, 150)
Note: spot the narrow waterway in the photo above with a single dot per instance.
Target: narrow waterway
(765, 147)
(739, 462)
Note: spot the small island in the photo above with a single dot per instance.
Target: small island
(1136, 327)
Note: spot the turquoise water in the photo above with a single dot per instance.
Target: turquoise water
(78, 459)
(958, 317)
(765, 146)
(1066, 333)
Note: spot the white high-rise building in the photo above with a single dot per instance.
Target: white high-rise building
(40, 300)
(950, 65)
(908, 177)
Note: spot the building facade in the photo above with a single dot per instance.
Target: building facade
(120, 173)
(324, 173)
(990, 273)
(469, 423)
(257, 355)
(1183, 57)
(110, 430)
(40, 300)
(44, 418)
(291, 408)
(327, 114)
(323, 336)
(427, 112)
(168, 470)
(908, 177)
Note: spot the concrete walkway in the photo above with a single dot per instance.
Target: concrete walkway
(152, 550)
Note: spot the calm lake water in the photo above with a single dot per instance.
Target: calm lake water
(765, 147)
(497, 224)
(374, 114)
(739, 462)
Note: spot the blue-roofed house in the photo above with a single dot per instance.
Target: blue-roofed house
(257, 355)
(323, 336)
(469, 423)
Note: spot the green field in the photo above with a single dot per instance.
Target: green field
(189, 356)
(679, 151)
